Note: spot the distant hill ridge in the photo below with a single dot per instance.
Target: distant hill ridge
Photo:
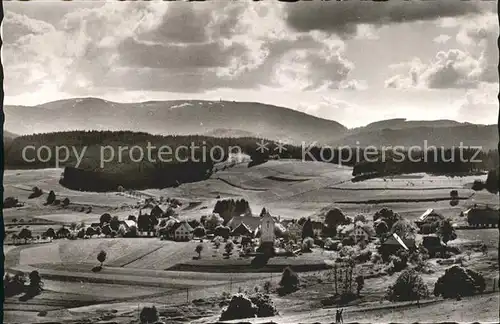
(238, 119)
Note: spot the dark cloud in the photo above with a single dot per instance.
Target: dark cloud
(342, 17)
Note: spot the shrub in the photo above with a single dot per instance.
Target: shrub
(36, 192)
(10, 202)
(363, 256)
(65, 202)
(149, 315)
(14, 285)
(265, 305)
(51, 198)
(289, 281)
(239, 307)
(458, 281)
(408, 286)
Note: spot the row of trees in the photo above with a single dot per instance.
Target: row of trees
(389, 161)
(456, 282)
(16, 284)
(439, 161)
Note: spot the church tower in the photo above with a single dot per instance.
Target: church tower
(267, 235)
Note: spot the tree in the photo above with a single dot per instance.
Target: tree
(404, 229)
(25, 234)
(73, 226)
(50, 232)
(229, 247)
(65, 202)
(334, 218)
(36, 284)
(105, 218)
(491, 183)
(387, 215)
(289, 281)
(446, 231)
(81, 233)
(106, 230)
(114, 223)
(307, 244)
(199, 231)
(199, 249)
(149, 315)
(307, 229)
(90, 231)
(360, 218)
(51, 197)
(10, 202)
(213, 221)
(132, 218)
(101, 257)
(263, 212)
(458, 282)
(408, 286)
(360, 283)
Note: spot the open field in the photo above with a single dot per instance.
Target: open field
(135, 268)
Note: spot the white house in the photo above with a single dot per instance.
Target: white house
(294, 229)
(361, 234)
(182, 231)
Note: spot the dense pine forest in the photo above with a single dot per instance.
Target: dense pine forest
(192, 158)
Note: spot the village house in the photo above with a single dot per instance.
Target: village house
(361, 234)
(391, 245)
(242, 230)
(128, 224)
(294, 229)
(181, 231)
(250, 221)
(482, 216)
(430, 216)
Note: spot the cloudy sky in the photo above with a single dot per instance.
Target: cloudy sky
(354, 62)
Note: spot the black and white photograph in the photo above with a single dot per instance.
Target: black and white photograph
(250, 161)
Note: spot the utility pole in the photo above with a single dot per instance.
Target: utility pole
(187, 295)
(231, 285)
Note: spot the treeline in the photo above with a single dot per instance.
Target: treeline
(228, 208)
(491, 183)
(136, 162)
(440, 161)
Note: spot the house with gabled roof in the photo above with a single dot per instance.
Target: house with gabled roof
(252, 222)
(181, 231)
(428, 217)
(242, 230)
